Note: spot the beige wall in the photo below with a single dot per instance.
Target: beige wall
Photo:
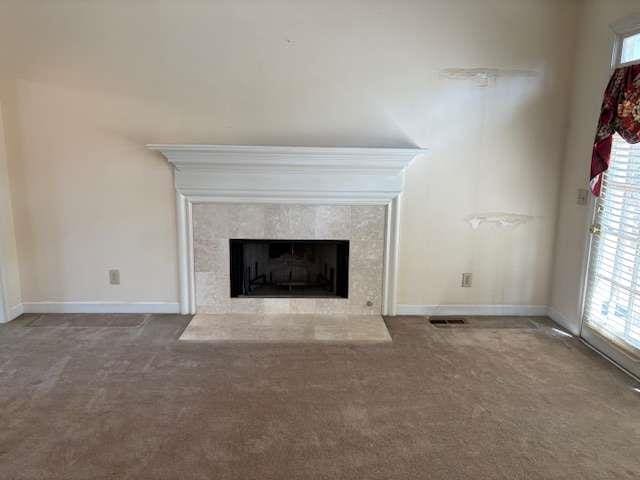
(593, 61)
(9, 271)
(93, 82)
(88, 199)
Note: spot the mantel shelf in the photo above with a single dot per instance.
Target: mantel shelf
(244, 157)
(313, 174)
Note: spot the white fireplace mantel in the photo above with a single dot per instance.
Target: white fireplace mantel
(317, 175)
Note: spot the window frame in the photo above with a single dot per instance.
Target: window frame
(623, 29)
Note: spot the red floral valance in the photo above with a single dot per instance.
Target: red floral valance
(620, 113)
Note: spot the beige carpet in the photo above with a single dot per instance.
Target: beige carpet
(469, 403)
(276, 328)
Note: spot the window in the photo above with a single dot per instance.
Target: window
(611, 313)
(630, 49)
(627, 46)
(613, 300)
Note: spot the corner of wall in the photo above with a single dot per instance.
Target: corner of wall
(10, 287)
(555, 310)
(562, 320)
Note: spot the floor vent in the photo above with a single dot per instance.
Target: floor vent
(489, 323)
(447, 321)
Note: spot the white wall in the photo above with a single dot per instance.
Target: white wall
(593, 61)
(91, 83)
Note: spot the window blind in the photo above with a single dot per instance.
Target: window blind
(612, 304)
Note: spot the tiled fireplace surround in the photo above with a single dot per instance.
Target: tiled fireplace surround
(215, 223)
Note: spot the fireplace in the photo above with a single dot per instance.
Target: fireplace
(281, 192)
(281, 268)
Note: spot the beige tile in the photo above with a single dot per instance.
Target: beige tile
(302, 305)
(205, 288)
(276, 305)
(286, 328)
(215, 223)
(211, 220)
(368, 222)
(328, 306)
(333, 222)
(247, 221)
(290, 221)
(211, 255)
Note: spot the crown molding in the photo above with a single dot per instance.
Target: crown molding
(626, 25)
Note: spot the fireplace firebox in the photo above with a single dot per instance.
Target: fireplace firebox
(289, 268)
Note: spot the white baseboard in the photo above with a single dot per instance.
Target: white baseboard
(101, 307)
(562, 320)
(174, 307)
(497, 310)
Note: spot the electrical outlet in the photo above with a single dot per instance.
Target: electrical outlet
(114, 277)
(467, 279)
(583, 196)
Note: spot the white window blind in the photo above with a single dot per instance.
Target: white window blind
(612, 305)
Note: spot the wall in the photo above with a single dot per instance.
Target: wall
(593, 62)
(101, 79)
(9, 271)
(215, 223)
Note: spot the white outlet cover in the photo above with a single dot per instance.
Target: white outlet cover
(583, 196)
(114, 277)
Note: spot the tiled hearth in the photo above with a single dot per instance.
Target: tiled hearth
(284, 328)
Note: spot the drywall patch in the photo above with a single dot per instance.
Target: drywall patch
(500, 219)
(484, 77)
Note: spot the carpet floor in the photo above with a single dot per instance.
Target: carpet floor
(119, 397)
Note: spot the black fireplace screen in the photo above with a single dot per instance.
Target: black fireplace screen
(289, 268)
